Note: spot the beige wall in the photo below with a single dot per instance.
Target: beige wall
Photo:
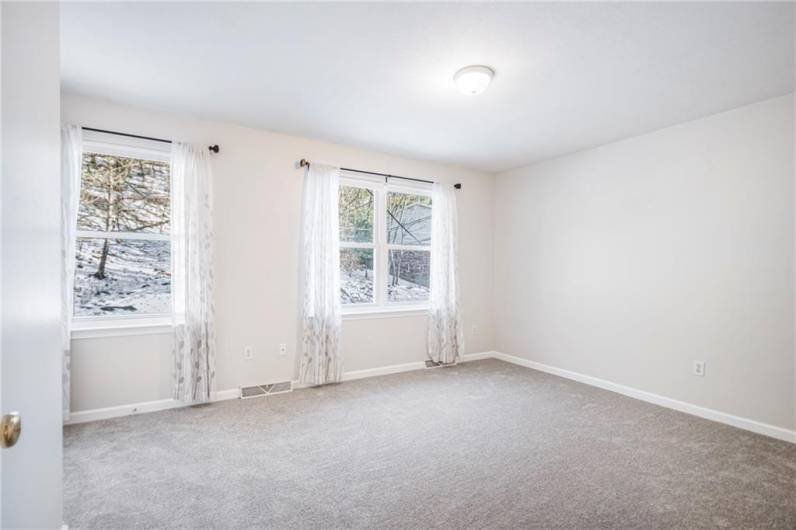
(113, 371)
(257, 194)
(629, 261)
(625, 262)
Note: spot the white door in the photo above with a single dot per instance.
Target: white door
(30, 364)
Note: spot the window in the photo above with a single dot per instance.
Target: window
(385, 244)
(123, 258)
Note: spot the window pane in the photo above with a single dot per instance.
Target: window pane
(356, 214)
(356, 271)
(408, 278)
(408, 219)
(122, 277)
(120, 194)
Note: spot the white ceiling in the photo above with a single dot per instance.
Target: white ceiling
(569, 76)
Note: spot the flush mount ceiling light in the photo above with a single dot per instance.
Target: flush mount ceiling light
(473, 80)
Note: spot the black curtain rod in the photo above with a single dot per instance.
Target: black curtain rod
(213, 148)
(306, 163)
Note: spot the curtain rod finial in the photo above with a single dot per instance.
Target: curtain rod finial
(214, 148)
(458, 186)
(304, 163)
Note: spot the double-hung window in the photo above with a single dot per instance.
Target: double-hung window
(385, 244)
(123, 258)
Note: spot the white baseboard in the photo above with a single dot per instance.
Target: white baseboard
(372, 372)
(703, 412)
(84, 416)
(407, 367)
(467, 357)
(383, 370)
(695, 410)
(395, 369)
(232, 393)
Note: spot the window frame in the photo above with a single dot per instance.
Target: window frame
(89, 326)
(381, 306)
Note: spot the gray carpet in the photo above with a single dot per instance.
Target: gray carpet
(485, 444)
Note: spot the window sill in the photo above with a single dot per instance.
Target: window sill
(91, 328)
(365, 313)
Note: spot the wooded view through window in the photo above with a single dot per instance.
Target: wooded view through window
(123, 262)
(409, 244)
(390, 268)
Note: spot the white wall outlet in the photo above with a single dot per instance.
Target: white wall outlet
(475, 329)
(247, 353)
(283, 349)
(699, 368)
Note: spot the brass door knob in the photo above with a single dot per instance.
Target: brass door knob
(11, 427)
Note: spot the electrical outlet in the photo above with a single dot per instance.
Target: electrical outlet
(699, 368)
(283, 349)
(475, 330)
(247, 353)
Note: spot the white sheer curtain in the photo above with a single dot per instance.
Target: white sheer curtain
(445, 330)
(321, 359)
(192, 272)
(71, 166)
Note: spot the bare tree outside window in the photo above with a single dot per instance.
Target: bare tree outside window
(123, 249)
(408, 241)
(392, 265)
(356, 207)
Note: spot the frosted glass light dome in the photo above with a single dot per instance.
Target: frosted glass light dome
(473, 80)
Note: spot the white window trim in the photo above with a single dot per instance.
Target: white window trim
(112, 144)
(381, 307)
(120, 326)
(385, 312)
(84, 327)
(99, 234)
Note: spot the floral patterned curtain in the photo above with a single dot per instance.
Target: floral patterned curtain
(445, 329)
(321, 359)
(71, 166)
(192, 273)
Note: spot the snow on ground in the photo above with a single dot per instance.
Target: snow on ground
(138, 278)
(356, 289)
(407, 291)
